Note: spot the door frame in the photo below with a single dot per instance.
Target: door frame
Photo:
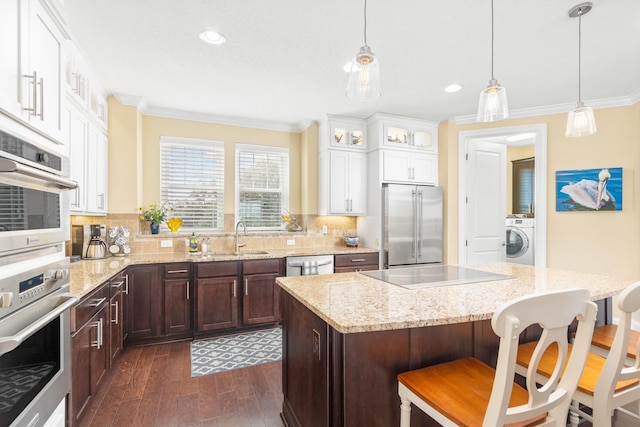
(540, 132)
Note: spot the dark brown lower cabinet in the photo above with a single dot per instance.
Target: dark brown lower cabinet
(216, 296)
(345, 263)
(177, 300)
(261, 294)
(90, 342)
(232, 295)
(115, 316)
(144, 311)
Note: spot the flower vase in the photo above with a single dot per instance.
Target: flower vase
(155, 228)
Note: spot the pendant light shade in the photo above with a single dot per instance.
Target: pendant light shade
(581, 120)
(364, 76)
(492, 105)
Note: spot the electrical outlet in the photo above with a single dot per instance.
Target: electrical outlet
(166, 243)
(291, 242)
(325, 230)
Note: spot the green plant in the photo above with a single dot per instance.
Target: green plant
(156, 213)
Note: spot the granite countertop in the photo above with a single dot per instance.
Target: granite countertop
(86, 275)
(354, 302)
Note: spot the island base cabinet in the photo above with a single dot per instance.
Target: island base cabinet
(305, 367)
(335, 379)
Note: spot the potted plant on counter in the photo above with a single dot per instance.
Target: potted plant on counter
(156, 214)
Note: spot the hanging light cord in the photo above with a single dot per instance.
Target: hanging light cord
(492, 77)
(580, 56)
(365, 22)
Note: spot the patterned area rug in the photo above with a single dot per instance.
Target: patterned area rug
(235, 351)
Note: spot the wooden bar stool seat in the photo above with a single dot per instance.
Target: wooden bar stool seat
(607, 383)
(467, 392)
(603, 339)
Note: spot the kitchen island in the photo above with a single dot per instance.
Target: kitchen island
(347, 336)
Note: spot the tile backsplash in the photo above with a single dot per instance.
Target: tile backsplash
(142, 241)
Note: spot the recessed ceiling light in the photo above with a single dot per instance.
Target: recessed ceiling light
(454, 87)
(212, 37)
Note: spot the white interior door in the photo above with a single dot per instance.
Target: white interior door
(486, 202)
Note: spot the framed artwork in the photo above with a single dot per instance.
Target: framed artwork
(589, 190)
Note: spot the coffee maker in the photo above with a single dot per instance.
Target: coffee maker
(89, 241)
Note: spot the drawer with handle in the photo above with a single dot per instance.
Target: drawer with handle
(89, 306)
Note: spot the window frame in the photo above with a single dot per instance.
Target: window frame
(518, 167)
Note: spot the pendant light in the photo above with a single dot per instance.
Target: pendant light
(493, 100)
(580, 120)
(364, 76)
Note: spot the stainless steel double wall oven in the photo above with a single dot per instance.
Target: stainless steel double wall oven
(35, 303)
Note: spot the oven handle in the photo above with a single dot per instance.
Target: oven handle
(7, 165)
(9, 343)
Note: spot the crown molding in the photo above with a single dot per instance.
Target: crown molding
(621, 101)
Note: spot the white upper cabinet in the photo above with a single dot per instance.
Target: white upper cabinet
(348, 134)
(405, 167)
(30, 69)
(342, 132)
(342, 183)
(405, 132)
(41, 78)
(10, 54)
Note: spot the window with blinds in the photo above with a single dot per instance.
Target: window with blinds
(192, 182)
(524, 186)
(262, 185)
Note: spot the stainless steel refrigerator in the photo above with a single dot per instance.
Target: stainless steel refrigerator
(412, 225)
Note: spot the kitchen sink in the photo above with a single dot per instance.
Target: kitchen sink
(240, 253)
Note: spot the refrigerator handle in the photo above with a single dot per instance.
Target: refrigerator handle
(414, 246)
(420, 220)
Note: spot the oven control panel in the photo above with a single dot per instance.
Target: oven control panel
(25, 287)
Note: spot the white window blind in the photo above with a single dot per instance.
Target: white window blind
(192, 181)
(262, 185)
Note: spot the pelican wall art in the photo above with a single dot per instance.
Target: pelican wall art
(589, 190)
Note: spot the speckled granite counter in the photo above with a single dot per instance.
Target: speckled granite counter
(353, 302)
(86, 275)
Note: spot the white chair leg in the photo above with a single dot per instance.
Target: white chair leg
(405, 412)
(574, 418)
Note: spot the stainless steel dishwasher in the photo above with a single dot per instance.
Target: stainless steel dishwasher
(309, 265)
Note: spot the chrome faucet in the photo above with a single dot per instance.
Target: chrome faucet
(238, 244)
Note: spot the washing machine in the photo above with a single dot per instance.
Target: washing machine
(520, 239)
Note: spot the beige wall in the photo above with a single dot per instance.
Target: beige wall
(598, 242)
(134, 157)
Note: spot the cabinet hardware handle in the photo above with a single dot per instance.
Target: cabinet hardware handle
(41, 99)
(187, 285)
(98, 303)
(117, 285)
(115, 304)
(101, 332)
(96, 343)
(126, 284)
(358, 260)
(346, 205)
(246, 286)
(34, 94)
(409, 173)
(235, 285)
(350, 205)
(101, 204)
(77, 203)
(177, 271)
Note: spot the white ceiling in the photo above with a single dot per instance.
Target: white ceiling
(283, 61)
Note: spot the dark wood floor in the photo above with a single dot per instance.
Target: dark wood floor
(152, 386)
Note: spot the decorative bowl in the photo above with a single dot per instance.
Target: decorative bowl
(352, 241)
(174, 224)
